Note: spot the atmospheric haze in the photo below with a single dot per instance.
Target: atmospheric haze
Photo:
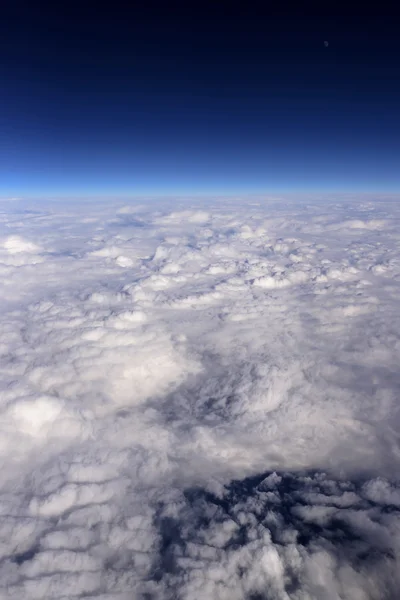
(199, 400)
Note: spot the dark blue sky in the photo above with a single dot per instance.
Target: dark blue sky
(101, 99)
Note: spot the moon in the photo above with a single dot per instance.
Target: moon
(326, 44)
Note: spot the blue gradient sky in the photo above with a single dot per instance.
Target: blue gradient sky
(214, 102)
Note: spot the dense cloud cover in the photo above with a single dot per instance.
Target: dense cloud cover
(200, 401)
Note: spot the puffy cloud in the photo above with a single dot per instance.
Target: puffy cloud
(200, 401)
(14, 244)
(284, 536)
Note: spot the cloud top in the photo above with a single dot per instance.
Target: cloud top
(200, 400)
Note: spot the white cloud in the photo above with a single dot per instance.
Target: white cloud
(156, 361)
(15, 244)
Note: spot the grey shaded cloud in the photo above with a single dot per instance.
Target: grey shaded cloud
(282, 536)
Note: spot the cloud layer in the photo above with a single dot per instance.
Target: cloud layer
(200, 401)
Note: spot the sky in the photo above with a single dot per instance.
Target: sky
(105, 99)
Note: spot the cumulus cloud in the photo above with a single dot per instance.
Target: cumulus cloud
(200, 400)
